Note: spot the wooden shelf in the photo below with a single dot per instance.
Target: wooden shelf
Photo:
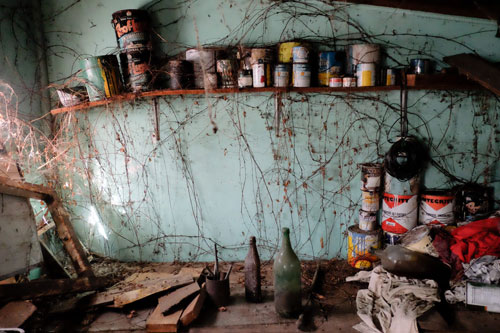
(449, 85)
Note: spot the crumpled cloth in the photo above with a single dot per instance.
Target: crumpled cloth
(477, 239)
(392, 303)
(456, 293)
(485, 269)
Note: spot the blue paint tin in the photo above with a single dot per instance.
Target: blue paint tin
(328, 67)
(420, 66)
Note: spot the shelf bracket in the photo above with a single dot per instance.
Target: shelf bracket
(156, 119)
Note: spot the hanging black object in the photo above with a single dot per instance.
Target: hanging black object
(406, 158)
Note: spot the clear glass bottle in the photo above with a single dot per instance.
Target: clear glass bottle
(286, 269)
(252, 274)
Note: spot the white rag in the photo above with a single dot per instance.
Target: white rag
(392, 303)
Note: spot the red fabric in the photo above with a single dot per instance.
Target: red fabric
(477, 239)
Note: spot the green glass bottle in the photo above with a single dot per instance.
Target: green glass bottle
(286, 269)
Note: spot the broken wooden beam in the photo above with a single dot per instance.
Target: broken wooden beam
(42, 288)
(59, 215)
(157, 322)
(14, 314)
(193, 310)
(170, 301)
(477, 69)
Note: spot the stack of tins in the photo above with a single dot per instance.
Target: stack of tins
(261, 60)
(363, 61)
(436, 208)
(133, 34)
(203, 62)
(329, 68)
(301, 71)
(102, 77)
(399, 207)
(365, 238)
(283, 68)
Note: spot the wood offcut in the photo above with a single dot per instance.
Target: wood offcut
(14, 314)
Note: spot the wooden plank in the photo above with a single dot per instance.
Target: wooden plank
(194, 308)
(168, 302)
(41, 288)
(485, 9)
(478, 69)
(157, 322)
(26, 190)
(14, 314)
(151, 287)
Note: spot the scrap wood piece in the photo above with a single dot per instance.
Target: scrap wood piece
(194, 308)
(59, 215)
(150, 287)
(50, 287)
(14, 314)
(157, 322)
(478, 69)
(168, 302)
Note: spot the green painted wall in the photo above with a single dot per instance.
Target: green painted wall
(134, 197)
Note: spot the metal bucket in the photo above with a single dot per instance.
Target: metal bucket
(285, 52)
(370, 201)
(136, 69)
(102, 77)
(328, 67)
(367, 220)
(301, 75)
(132, 29)
(361, 247)
(399, 212)
(437, 208)
(371, 175)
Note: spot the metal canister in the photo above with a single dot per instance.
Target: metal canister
(361, 247)
(328, 67)
(437, 208)
(281, 75)
(348, 81)
(245, 79)
(300, 55)
(335, 82)
(136, 69)
(371, 176)
(261, 54)
(180, 73)
(225, 69)
(102, 76)
(389, 77)
(367, 220)
(132, 29)
(259, 75)
(366, 74)
(370, 201)
(361, 54)
(420, 66)
(285, 53)
(301, 75)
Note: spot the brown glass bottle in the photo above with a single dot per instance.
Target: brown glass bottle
(286, 269)
(252, 274)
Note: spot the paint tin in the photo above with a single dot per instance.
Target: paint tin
(245, 79)
(361, 247)
(132, 29)
(437, 208)
(473, 202)
(420, 66)
(388, 77)
(102, 77)
(261, 54)
(391, 238)
(281, 75)
(371, 175)
(180, 73)
(367, 220)
(370, 201)
(202, 59)
(226, 71)
(361, 54)
(328, 67)
(259, 75)
(72, 96)
(285, 52)
(335, 82)
(136, 69)
(399, 212)
(300, 55)
(348, 82)
(301, 75)
(366, 75)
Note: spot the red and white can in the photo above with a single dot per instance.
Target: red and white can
(399, 212)
(436, 208)
(335, 82)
